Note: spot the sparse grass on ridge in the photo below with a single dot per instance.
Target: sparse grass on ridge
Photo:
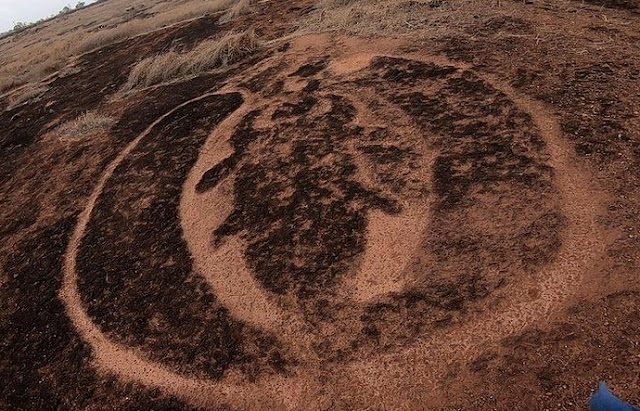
(25, 94)
(424, 18)
(136, 27)
(207, 56)
(36, 61)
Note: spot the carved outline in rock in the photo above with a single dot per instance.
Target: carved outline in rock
(579, 252)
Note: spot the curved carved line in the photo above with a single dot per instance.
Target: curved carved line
(583, 245)
(130, 364)
(223, 266)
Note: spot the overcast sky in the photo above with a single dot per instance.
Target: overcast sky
(12, 11)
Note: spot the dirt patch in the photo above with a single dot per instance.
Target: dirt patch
(589, 326)
(508, 24)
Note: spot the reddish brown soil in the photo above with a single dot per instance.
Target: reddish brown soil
(332, 223)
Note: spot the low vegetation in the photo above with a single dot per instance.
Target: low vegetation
(207, 56)
(239, 8)
(86, 124)
(35, 60)
(136, 27)
(425, 18)
(25, 94)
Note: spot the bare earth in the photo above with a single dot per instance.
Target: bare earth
(441, 219)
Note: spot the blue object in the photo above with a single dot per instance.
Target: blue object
(604, 400)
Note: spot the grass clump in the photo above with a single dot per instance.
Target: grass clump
(25, 94)
(423, 18)
(207, 56)
(88, 123)
(239, 8)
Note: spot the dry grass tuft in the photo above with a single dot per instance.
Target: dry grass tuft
(34, 67)
(25, 94)
(103, 38)
(86, 124)
(207, 56)
(9, 81)
(239, 8)
(424, 18)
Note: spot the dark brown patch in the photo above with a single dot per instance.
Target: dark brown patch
(295, 109)
(400, 70)
(310, 69)
(26, 217)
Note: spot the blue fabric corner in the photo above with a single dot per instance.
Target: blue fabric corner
(604, 400)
